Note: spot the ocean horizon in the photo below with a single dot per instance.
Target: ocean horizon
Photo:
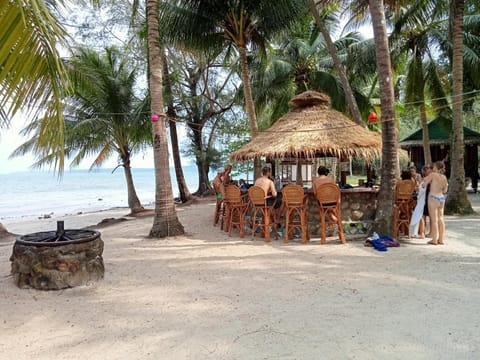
(29, 194)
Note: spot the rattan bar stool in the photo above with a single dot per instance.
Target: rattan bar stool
(295, 202)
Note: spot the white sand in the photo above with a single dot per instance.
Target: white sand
(210, 296)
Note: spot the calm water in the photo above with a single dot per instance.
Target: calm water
(27, 194)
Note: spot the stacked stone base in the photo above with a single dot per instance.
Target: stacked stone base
(57, 267)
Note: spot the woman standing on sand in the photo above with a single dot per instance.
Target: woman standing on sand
(436, 202)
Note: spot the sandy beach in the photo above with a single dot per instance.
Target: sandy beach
(206, 295)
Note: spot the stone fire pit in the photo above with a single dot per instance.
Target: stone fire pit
(59, 259)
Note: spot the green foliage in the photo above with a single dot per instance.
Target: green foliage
(105, 117)
(32, 76)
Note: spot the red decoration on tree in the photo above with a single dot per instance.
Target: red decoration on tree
(372, 117)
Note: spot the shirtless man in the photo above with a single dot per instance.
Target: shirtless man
(436, 202)
(267, 185)
(221, 180)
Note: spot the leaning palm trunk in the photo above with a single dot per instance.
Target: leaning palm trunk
(165, 221)
(249, 104)
(457, 200)
(351, 101)
(384, 215)
(133, 201)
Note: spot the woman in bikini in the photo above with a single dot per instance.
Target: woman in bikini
(436, 202)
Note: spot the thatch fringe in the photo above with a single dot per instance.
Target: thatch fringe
(312, 130)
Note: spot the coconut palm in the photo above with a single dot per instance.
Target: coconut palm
(457, 201)
(242, 24)
(416, 30)
(349, 95)
(105, 117)
(165, 220)
(299, 63)
(32, 76)
(389, 169)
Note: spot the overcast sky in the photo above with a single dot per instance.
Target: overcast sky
(10, 140)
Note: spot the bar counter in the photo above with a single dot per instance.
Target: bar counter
(358, 209)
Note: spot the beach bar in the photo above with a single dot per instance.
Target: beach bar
(310, 133)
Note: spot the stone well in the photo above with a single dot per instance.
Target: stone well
(54, 260)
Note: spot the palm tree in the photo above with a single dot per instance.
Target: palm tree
(238, 23)
(352, 103)
(105, 116)
(32, 76)
(165, 221)
(301, 62)
(457, 201)
(389, 169)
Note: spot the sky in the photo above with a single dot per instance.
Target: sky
(10, 140)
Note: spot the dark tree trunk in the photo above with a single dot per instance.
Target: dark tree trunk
(171, 115)
(204, 187)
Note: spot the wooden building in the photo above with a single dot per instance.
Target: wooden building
(439, 132)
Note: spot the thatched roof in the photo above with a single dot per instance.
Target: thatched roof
(440, 132)
(312, 129)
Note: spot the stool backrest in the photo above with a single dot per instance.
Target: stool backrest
(232, 193)
(404, 190)
(293, 195)
(257, 196)
(328, 193)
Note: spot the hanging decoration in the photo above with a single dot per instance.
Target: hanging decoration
(154, 117)
(372, 117)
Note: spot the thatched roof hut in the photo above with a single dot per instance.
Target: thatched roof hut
(312, 129)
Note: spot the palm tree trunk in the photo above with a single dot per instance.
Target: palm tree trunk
(457, 200)
(133, 201)
(384, 215)
(171, 115)
(249, 104)
(351, 101)
(165, 220)
(427, 154)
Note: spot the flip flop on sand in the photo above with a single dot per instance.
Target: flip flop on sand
(431, 242)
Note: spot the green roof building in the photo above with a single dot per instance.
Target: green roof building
(440, 131)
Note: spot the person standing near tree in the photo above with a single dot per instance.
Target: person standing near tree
(436, 202)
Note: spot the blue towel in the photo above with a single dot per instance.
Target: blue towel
(379, 245)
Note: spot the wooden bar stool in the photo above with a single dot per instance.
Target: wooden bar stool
(329, 199)
(403, 207)
(262, 214)
(232, 196)
(293, 196)
(235, 206)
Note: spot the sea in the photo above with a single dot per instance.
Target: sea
(42, 193)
